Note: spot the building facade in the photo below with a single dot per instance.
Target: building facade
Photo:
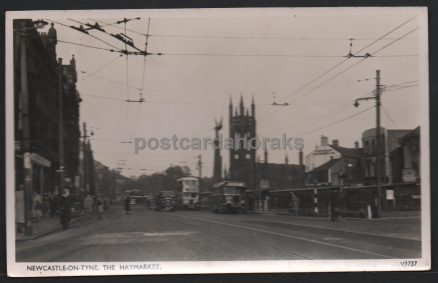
(391, 161)
(322, 153)
(343, 168)
(43, 88)
(410, 144)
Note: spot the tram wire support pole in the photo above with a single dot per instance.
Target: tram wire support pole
(379, 147)
(378, 167)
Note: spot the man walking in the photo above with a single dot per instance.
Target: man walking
(65, 206)
(335, 200)
(88, 206)
(99, 204)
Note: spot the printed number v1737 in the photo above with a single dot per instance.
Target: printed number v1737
(408, 263)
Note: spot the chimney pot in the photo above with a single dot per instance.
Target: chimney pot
(356, 144)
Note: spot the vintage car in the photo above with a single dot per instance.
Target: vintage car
(165, 201)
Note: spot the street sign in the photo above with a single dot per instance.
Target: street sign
(26, 158)
(38, 159)
(389, 194)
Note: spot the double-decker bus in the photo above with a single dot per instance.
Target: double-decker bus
(228, 196)
(187, 191)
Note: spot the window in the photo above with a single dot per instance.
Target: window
(229, 190)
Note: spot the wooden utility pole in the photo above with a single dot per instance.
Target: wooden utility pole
(378, 167)
(379, 147)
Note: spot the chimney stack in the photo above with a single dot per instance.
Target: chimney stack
(356, 144)
(324, 140)
(335, 142)
(300, 157)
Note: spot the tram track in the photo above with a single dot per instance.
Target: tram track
(284, 235)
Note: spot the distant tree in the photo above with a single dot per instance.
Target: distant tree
(172, 173)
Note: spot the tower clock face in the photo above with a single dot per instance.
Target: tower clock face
(248, 156)
(236, 156)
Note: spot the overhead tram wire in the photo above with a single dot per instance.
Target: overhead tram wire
(260, 37)
(355, 64)
(399, 88)
(103, 97)
(408, 82)
(109, 80)
(356, 52)
(251, 55)
(121, 37)
(330, 113)
(206, 102)
(389, 117)
(86, 33)
(88, 46)
(400, 85)
(143, 73)
(233, 55)
(127, 85)
(146, 52)
(346, 59)
(336, 122)
(116, 26)
(101, 68)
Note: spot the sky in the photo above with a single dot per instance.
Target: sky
(208, 59)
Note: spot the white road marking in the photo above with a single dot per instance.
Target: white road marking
(288, 236)
(132, 237)
(332, 239)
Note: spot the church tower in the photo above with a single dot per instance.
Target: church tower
(242, 126)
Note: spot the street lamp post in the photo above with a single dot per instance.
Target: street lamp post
(378, 166)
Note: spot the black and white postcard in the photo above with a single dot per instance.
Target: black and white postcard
(217, 141)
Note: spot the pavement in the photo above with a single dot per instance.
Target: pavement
(147, 235)
(45, 226)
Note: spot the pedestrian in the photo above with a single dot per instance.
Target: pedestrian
(127, 204)
(88, 206)
(294, 205)
(99, 205)
(65, 206)
(52, 205)
(335, 200)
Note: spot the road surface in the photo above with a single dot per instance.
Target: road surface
(146, 235)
